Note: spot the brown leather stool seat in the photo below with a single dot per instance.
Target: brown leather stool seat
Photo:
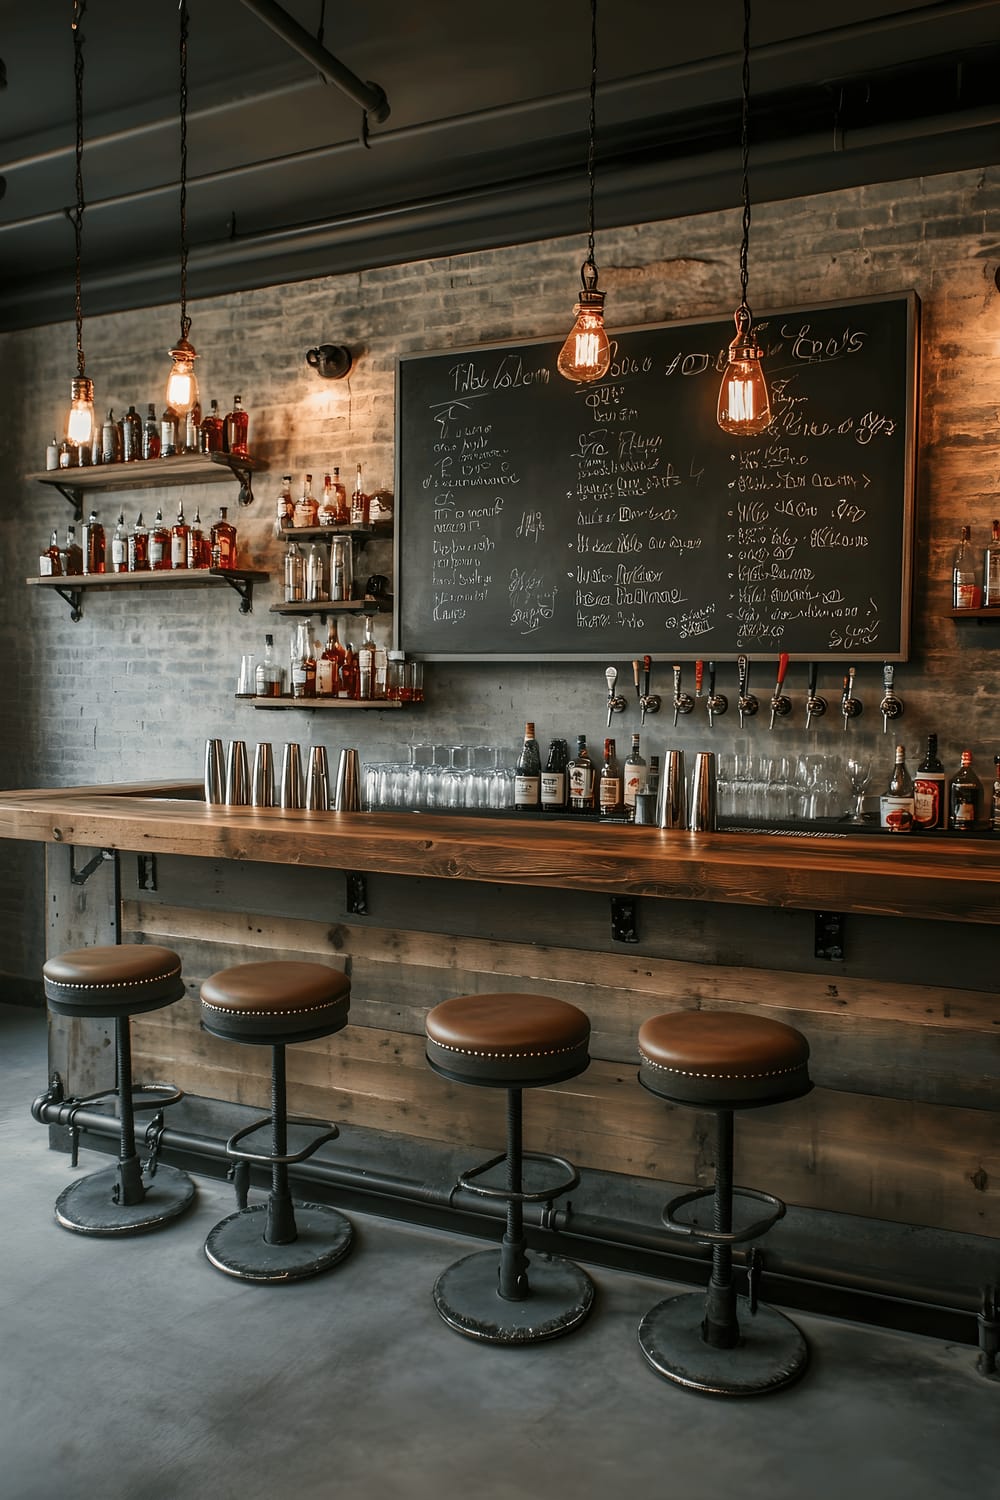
(511, 1042)
(273, 1004)
(723, 1062)
(116, 982)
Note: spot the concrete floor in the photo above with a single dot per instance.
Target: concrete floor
(132, 1370)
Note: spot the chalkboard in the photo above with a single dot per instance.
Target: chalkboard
(540, 518)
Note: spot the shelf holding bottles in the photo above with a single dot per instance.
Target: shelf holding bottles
(326, 703)
(324, 607)
(71, 587)
(150, 473)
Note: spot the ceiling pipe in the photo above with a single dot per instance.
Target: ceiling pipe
(371, 98)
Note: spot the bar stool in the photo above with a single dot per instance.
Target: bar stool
(511, 1042)
(273, 1004)
(116, 983)
(721, 1063)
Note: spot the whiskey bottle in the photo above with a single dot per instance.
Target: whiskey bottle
(329, 666)
(930, 804)
(327, 512)
(896, 802)
(197, 547)
(269, 676)
(527, 767)
(210, 434)
(991, 568)
(179, 539)
(151, 440)
(131, 430)
(169, 424)
(111, 440)
(303, 663)
(223, 539)
(965, 797)
(349, 673)
(580, 773)
(965, 594)
(50, 561)
(94, 545)
(610, 802)
(360, 503)
(553, 782)
(72, 560)
(119, 546)
(305, 506)
(159, 544)
(342, 504)
(236, 428)
(284, 513)
(634, 778)
(138, 547)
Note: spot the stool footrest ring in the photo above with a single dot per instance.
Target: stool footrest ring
(571, 1180)
(716, 1236)
(267, 1158)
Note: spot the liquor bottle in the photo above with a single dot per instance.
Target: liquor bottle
(897, 801)
(198, 551)
(67, 454)
(94, 545)
(286, 507)
(580, 772)
(294, 574)
(381, 677)
(303, 661)
(305, 506)
(965, 593)
(965, 797)
(119, 545)
(95, 445)
(223, 540)
(360, 503)
(192, 429)
(210, 434)
(553, 783)
(366, 662)
(995, 807)
(138, 547)
(169, 424)
(72, 561)
(326, 515)
(111, 440)
(527, 767)
(269, 676)
(179, 539)
(52, 454)
(634, 778)
(930, 803)
(610, 802)
(50, 561)
(991, 568)
(159, 544)
(329, 665)
(236, 428)
(349, 673)
(343, 505)
(151, 439)
(315, 572)
(131, 430)
(653, 779)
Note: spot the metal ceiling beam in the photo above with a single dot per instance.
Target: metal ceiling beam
(369, 95)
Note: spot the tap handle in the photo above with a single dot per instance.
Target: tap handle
(635, 677)
(888, 673)
(677, 682)
(699, 674)
(612, 677)
(743, 674)
(711, 679)
(813, 678)
(647, 663)
(782, 669)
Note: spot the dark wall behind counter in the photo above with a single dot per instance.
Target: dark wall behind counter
(134, 688)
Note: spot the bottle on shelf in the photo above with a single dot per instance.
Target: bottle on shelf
(303, 661)
(50, 560)
(67, 454)
(349, 673)
(633, 778)
(192, 428)
(965, 592)
(131, 430)
(94, 545)
(991, 568)
(381, 676)
(96, 448)
(326, 515)
(151, 434)
(580, 773)
(269, 677)
(111, 439)
(223, 541)
(198, 550)
(119, 545)
(366, 662)
(305, 506)
(210, 434)
(965, 797)
(169, 439)
(930, 802)
(286, 507)
(329, 681)
(341, 503)
(896, 804)
(159, 544)
(179, 539)
(360, 503)
(52, 454)
(72, 558)
(653, 779)
(553, 783)
(237, 426)
(315, 572)
(294, 574)
(138, 547)
(395, 677)
(527, 768)
(341, 568)
(610, 799)
(995, 804)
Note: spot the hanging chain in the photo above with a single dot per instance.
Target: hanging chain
(79, 6)
(185, 320)
(745, 148)
(592, 146)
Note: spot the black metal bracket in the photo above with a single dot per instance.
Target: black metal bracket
(146, 872)
(74, 598)
(243, 587)
(828, 940)
(243, 475)
(80, 877)
(357, 893)
(73, 494)
(623, 919)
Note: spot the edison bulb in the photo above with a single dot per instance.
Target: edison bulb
(744, 405)
(182, 383)
(586, 354)
(80, 424)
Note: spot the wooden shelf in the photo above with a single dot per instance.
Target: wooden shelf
(334, 607)
(988, 612)
(150, 473)
(293, 533)
(72, 587)
(337, 703)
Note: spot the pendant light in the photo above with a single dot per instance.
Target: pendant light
(744, 407)
(586, 354)
(182, 383)
(80, 423)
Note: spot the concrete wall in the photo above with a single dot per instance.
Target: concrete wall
(135, 687)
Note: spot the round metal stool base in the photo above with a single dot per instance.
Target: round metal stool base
(88, 1207)
(771, 1353)
(466, 1296)
(237, 1245)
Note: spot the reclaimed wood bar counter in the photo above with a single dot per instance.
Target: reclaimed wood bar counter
(903, 1126)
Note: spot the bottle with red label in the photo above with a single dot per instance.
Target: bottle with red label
(930, 802)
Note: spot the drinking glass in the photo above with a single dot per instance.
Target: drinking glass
(859, 774)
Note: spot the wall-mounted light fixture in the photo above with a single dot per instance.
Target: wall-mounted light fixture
(80, 423)
(586, 354)
(182, 383)
(331, 361)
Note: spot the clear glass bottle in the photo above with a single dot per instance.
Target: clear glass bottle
(179, 533)
(634, 778)
(131, 429)
(991, 568)
(580, 772)
(52, 453)
(366, 662)
(329, 666)
(151, 440)
(237, 427)
(169, 425)
(269, 678)
(294, 574)
(119, 545)
(286, 507)
(553, 782)
(159, 544)
(930, 802)
(94, 545)
(527, 772)
(50, 561)
(341, 568)
(303, 662)
(305, 510)
(610, 800)
(211, 433)
(965, 798)
(896, 804)
(965, 593)
(223, 540)
(138, 547)
(315, 572)
(192, 428)
(359, 503)
(111, 440)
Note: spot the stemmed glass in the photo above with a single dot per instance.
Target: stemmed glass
(859, 772)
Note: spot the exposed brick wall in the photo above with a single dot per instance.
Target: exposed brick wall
(135, 688)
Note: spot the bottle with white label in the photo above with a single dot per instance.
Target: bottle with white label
(553, 779)
(930, 804)
(119, 546)
(634, 778)
(528, 773)
(580, 774)
(896, 802)
(610, 802)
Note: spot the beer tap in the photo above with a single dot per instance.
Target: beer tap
(616, 703)
(815, 706)
(748, 704)
(850, 706)
(649, 703)
(780, 705)
(683, 702)
(891, 707)
(717, 702)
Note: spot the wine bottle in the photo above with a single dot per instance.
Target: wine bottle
(964, 592)
(965, 797)
(528, 773)
(930, 805)
(634, 778)
(580, 774)
(553, 782)
(896, 802)
(610, 801)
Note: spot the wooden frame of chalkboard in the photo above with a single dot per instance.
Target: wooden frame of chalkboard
(537, 518)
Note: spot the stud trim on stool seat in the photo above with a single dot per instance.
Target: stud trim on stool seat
(712, 1073)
